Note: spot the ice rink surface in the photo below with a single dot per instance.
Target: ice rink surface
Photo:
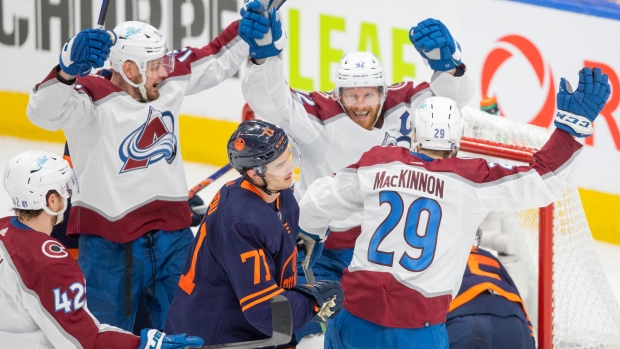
(9, 147)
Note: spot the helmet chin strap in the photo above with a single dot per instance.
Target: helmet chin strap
(139, 86)
(60, 215)
(262, 187)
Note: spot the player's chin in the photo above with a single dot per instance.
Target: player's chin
(153, 94)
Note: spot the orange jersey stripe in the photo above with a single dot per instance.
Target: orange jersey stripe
(256, 294)
(267, 297)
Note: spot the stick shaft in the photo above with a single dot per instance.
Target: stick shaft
(102, 13)
(217, 174)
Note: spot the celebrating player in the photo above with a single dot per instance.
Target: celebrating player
(42, 291)
(335, 128)
(488, 311)
(422, 210)
(245, 251)
(122, 128)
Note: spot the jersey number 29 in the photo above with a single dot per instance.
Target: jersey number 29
(426, 243)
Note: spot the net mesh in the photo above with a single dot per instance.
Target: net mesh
(585, 311)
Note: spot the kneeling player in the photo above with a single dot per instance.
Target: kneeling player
(245, 251)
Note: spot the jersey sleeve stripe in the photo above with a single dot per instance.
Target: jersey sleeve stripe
(256, 294)
(260, 300)
(482, 287)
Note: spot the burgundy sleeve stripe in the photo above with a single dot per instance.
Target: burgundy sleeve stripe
(49, 77)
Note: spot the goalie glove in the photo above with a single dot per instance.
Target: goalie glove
(309, 248)
(264, 34)
(433, 41)
(577, 110)
(153, 339)
(88, 49)
(328, 297)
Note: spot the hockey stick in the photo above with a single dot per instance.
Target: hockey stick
(102, 13)
(310, 279)
(282, 321)
(272, 3)
(212, 178)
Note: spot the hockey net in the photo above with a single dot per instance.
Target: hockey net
(576, 307)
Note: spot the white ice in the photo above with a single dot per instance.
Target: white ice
(10, 146)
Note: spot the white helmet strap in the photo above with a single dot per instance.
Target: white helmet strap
(60, 215)
(139, 86)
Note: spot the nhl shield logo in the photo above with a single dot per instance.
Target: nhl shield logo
(151, 142)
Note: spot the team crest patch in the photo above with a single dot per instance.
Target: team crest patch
(239, 144)
(151, 142)
(54, 249)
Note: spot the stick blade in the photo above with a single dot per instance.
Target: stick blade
(282, 321)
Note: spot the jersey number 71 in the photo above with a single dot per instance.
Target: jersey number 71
(425, 243)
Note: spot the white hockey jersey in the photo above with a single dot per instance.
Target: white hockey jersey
(420, 218)
(42, 296)
(328, 139)
(125, 153)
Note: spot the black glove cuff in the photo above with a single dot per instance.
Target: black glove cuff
(61, 79)
(460, 70)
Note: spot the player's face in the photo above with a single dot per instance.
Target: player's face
(279, 174)
(362, 104)
(156, 71)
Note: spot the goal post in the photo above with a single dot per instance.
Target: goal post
(576, 307)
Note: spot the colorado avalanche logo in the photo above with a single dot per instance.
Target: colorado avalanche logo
(54, 249)
(151, 142)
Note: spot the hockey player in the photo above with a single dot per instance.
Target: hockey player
(335, 128)
(122, 128)
(488, 311)
(422, 210)
(245, 251)
(42, 293)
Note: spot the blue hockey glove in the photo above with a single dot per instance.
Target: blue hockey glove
(328, 296)
(309, 248)
(153, 339)
(88, 49)
(435, 43)
(577, 110)
(264, 35)
(196, 217)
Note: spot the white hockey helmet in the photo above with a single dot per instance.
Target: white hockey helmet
(438, 125)
(140, 43)
(360, 69)
(29, 176)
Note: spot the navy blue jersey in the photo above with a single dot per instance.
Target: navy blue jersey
(487, 289)
(243, 255)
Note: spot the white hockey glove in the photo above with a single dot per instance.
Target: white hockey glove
(153, 339)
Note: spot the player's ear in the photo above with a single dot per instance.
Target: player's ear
(54, 201)
(130, 69)
(251, 173)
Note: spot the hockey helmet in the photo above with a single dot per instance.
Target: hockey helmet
(144, 45)
(256, 143)
(29, 176)
(360, 69)
(438, 124)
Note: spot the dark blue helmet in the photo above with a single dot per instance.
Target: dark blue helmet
(255, 144)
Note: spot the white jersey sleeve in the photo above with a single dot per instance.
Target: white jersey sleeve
(266, 91)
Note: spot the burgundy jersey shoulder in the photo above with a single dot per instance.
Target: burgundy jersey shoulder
(31, 250)
(402, 92)
(320, 105)
(97, 86)
(189, 55)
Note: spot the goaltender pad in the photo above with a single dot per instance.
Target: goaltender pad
(576, 308)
